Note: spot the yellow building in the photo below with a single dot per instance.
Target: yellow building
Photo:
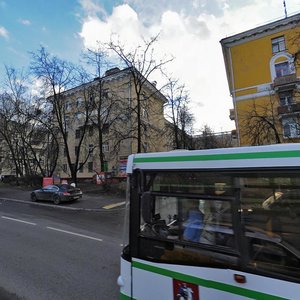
(262, 66)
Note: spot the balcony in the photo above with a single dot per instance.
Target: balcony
(289, 109)
(284, 83)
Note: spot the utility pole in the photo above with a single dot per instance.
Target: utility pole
(285, 12)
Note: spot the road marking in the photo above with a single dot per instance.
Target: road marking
(77, 234)
(113, 205)
(17, 220)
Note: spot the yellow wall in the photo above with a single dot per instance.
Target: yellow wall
(251, 63)
(251, 60)
(251, 70)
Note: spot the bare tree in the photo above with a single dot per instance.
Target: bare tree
(107, 105)
(260, 123)
(142, 65)
(58, 76)
(178, 113)
(20, 128)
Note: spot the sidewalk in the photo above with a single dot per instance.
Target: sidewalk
(90, 201)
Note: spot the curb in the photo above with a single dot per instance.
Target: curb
(59, 206)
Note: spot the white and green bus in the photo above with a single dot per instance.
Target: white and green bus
(213, 224)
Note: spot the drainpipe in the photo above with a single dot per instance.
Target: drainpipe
(233, 94)
(130, 121)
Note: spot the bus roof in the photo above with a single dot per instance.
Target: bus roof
(279, 155)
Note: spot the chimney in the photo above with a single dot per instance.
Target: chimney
(112, 71)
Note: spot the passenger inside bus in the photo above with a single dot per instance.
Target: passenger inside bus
(193, 225)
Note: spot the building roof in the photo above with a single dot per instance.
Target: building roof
(278, 25)
(115, 74)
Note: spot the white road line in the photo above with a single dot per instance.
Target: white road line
(17, 220)
(77, 234)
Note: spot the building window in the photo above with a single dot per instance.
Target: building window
(282, 64)
(78, 115)
(282, 69)
(67, 105)
(278, 44)
(79, 102)
(286, 98)
(77, 133)
(91, 131)
(91, 148)
(90, 167)
(144, 113)
(291, 128)
(105, 128)
(145, 146)
(81, 168)
(67, 120)
(105, 147)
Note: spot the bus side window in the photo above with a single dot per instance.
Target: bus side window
(273, 255)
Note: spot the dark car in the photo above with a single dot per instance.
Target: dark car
(57, 193)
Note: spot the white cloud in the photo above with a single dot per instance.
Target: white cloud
(3, 32)
(91, 8)
(123, 22)
(191, 33)
(25, 22)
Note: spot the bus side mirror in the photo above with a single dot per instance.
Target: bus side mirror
(147, 201)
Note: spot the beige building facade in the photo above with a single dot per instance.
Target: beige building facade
(106, 109)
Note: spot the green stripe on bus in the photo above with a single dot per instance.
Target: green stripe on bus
(125, 297)
(207, 283)
(226, 156)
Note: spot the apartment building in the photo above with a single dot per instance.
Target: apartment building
(104, 113)
(262, 66)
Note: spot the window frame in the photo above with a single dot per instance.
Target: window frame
(278, 42)
(286, 98)
(282, 69)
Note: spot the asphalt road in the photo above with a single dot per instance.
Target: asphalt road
(59, 254)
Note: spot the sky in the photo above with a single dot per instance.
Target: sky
(189, 31)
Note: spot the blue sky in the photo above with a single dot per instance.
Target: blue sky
(30, 24)
(190, 31)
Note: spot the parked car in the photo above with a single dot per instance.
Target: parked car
(57, 193)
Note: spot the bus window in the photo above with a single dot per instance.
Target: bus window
(199, 183)
(274, 256)
(270, 210)
(178, 226)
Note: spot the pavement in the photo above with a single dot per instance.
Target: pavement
(90, 201)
